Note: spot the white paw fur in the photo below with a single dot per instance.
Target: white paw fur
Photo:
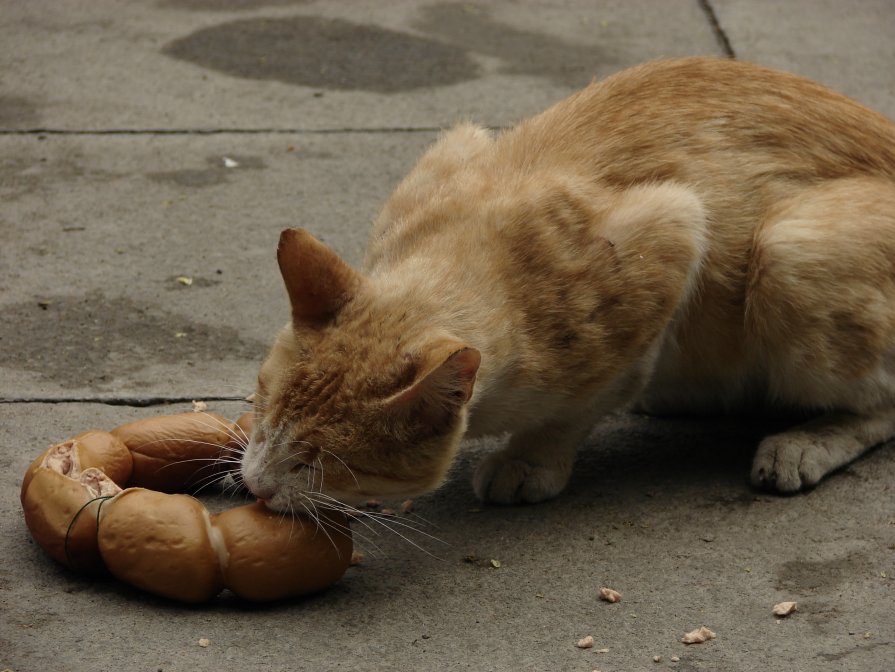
(790, 462)
(502, 479)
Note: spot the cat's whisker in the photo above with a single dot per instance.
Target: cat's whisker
(317, 460)
(341, 529)
(318, 521)
(387, 521)
(208, 481)
(217, 424)
(387, 524)
(344, 464)
(291, 520)
(290, 458)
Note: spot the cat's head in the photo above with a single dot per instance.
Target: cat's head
(359, 397)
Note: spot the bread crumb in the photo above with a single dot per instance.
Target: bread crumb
(698, 636)
(407, 506)
(356, 558)
(609, 595)
(204, 642)
(602, 650)
(199, 406)
(586, 642)
(784, 609)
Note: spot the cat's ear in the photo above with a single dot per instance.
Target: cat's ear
(443, 385)
(318, 281)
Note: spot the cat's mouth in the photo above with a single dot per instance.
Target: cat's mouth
(309, 486)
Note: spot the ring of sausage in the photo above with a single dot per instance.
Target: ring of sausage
(100, 502)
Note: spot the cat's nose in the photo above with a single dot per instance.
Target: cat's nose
(260, 490)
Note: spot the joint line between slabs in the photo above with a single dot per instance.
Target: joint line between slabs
(139, 402)
(720, 34)
(214, 131)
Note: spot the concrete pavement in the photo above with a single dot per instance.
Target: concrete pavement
(143, 142)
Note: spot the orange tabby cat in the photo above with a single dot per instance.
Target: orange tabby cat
(686, 235)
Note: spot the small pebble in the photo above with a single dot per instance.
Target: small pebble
(675, 659)
(657, 659)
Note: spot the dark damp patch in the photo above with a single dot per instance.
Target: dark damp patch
(522, 52)
(17, 112)
(806, 576)
(94, 339)
(325, 53)
(218, 171)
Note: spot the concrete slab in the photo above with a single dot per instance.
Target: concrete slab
(848, 46)
(312, 65)
(97, 231)
(684, 540)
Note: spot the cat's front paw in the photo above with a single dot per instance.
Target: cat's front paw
(789, 462)
(504, 479)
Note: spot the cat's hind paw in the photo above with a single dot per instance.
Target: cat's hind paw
(503, 479)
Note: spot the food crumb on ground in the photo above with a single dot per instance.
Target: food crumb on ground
(586, 642)
(657, 659)
(199, 406)
(495, 564)
(609, 595)
(784, 609)
(356, 558)
(602, 651)
(407, 506)
(675, 659)
(698, 636)
(204, 642)
(387, 512)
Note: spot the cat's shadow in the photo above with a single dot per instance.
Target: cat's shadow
(633, 451)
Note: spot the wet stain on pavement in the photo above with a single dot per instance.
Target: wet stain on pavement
(90, 341)
(26, 174)
(325, 53)
(218, 171)
(522, 52)
(17, 112)
(808, 576)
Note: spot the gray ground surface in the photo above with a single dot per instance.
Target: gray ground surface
(117, 118)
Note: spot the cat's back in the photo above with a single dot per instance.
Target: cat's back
(675, 119)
